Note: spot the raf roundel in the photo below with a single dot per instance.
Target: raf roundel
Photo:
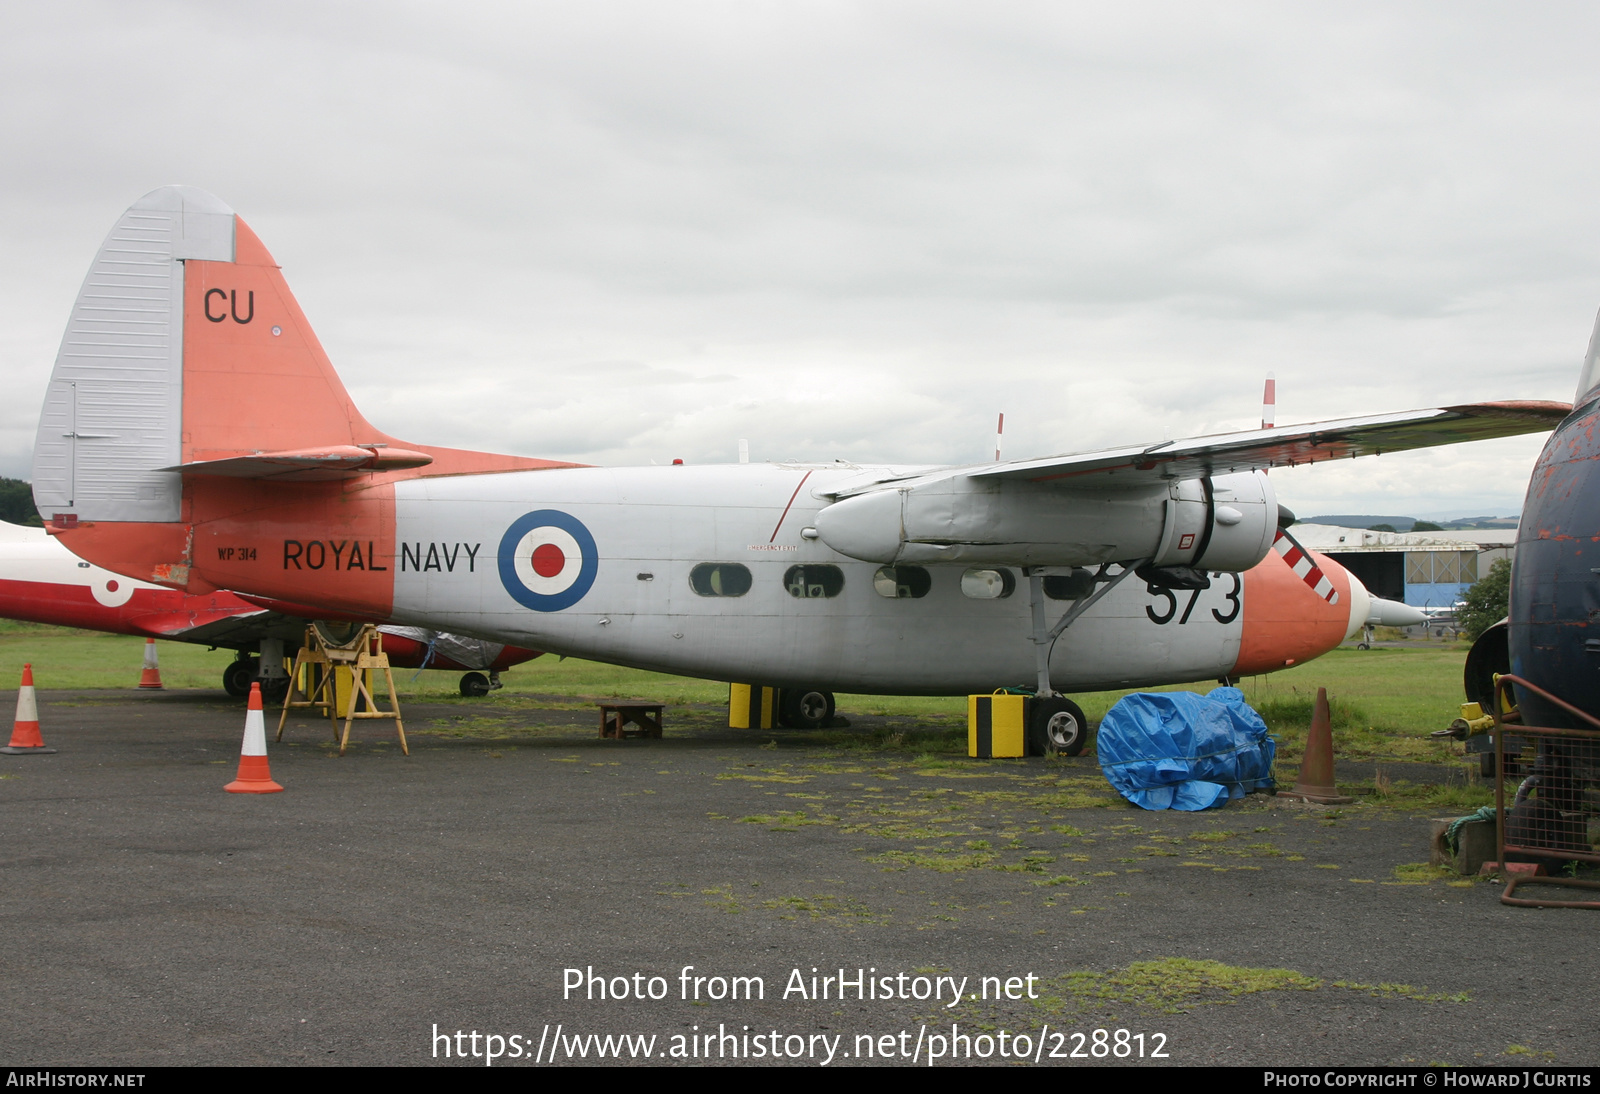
(548, 560)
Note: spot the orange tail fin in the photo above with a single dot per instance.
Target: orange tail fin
(188, 366)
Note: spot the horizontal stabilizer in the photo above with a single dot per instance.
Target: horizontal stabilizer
(339, 461)
(202, 625)
(1286, 446)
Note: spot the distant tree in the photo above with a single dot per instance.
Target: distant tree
(1486, 603)
(1381, 528)
(16, 503)
(1426, 526)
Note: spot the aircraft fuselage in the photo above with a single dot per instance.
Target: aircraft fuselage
(716, 572)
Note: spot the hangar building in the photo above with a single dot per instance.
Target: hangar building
(1423, 569)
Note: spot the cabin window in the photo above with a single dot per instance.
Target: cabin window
(988, 584)
(720, 579)
(902, 582)
(1073, 586)
(813, 582)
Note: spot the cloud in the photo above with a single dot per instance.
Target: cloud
(625, 232)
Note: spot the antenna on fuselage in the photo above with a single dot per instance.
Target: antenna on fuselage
(1269, 403)
(999, 430)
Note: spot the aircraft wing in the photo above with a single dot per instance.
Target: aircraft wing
(1153, 503)
(1285, 446)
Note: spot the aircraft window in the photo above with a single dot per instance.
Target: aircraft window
(988, 584)
(1074, 586)
(813, 582)
(902, 582)
(720, 579)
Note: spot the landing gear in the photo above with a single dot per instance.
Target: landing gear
(239, 675)
(475, 685)
(805, 708)
(1044, 635)
(1057, 725)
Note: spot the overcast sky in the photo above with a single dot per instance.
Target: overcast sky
(624, 232)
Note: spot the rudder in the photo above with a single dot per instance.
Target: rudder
(184, 344)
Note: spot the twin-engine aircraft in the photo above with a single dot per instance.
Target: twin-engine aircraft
(195, 435)
(42, 582)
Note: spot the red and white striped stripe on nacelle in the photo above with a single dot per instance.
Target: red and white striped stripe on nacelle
(1299, 560)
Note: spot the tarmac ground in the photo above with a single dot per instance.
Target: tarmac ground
(486, 883)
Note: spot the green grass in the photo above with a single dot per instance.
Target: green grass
(1384, 701)
(1174, 985)
(64, 658)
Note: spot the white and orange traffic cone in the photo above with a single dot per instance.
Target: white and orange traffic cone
(151, 676)
(254, 775)
(25, 738)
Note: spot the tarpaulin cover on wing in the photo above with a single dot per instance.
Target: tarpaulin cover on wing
(464, 651)
(1181, 750)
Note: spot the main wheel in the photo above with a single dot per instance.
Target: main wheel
(1057, 725)
(474, 685)
(239, 675)
(805, 708)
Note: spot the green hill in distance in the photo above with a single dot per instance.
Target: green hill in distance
(1407, 524)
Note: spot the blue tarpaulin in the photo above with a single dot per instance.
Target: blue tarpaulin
(1180, 750)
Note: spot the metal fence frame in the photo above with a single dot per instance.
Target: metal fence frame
(1505, 699)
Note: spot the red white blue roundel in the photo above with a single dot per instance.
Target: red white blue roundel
(548, 560)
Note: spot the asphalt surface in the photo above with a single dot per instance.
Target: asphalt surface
(150, 918)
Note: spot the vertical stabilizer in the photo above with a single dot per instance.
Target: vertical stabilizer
(1589, 377)
(113, 410)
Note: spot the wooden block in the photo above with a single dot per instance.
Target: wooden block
(1475, 845)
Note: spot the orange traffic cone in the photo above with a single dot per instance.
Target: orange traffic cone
(1315, 782)
(151, 676)
(25, 738)
(254, 775)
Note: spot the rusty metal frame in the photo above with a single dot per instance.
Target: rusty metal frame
(1504, 699)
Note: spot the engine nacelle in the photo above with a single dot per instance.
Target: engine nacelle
(1224, 523)
(1243, 521)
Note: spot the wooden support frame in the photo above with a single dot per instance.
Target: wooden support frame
(361, 657)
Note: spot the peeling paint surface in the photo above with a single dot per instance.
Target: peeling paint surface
(1555, 586)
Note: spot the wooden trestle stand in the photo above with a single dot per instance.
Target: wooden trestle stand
(317, 687)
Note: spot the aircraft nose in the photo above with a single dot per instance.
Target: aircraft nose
(1392, 613)
(1361, 603)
